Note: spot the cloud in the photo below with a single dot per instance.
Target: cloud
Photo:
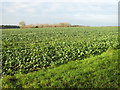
(15, 6)
(86, 12)
(0, 14)
(31, 10)
(82, 1)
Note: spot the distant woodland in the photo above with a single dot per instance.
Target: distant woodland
(23, 25)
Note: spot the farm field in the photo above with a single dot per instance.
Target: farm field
(67, 57)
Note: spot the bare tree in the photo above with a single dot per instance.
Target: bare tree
(22, 24)
(64, 24)
(40, 25)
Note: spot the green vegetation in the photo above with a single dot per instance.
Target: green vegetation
(95, 72)
(60, 57)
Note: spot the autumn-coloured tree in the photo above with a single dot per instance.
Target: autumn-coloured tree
(64, 24)
(22, 24)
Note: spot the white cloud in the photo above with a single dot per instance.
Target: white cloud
(99, 1)
(36, 0)
(74, 11)
(97, 17)
(0, 13)
(15, 6)
(31, 10)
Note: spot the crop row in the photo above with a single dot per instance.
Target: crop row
(23, 53)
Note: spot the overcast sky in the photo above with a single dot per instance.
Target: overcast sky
(87, 12)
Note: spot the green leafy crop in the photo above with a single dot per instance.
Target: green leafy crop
(27, 50)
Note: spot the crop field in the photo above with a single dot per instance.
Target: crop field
(32, 50)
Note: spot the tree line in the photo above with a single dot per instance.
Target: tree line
(64, 24)
(8, 26)
(22, 24)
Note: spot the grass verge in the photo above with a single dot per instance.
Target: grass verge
(95, 72)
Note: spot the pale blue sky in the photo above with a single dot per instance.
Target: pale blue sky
(84, 13)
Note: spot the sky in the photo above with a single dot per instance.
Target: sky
(80, 12)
